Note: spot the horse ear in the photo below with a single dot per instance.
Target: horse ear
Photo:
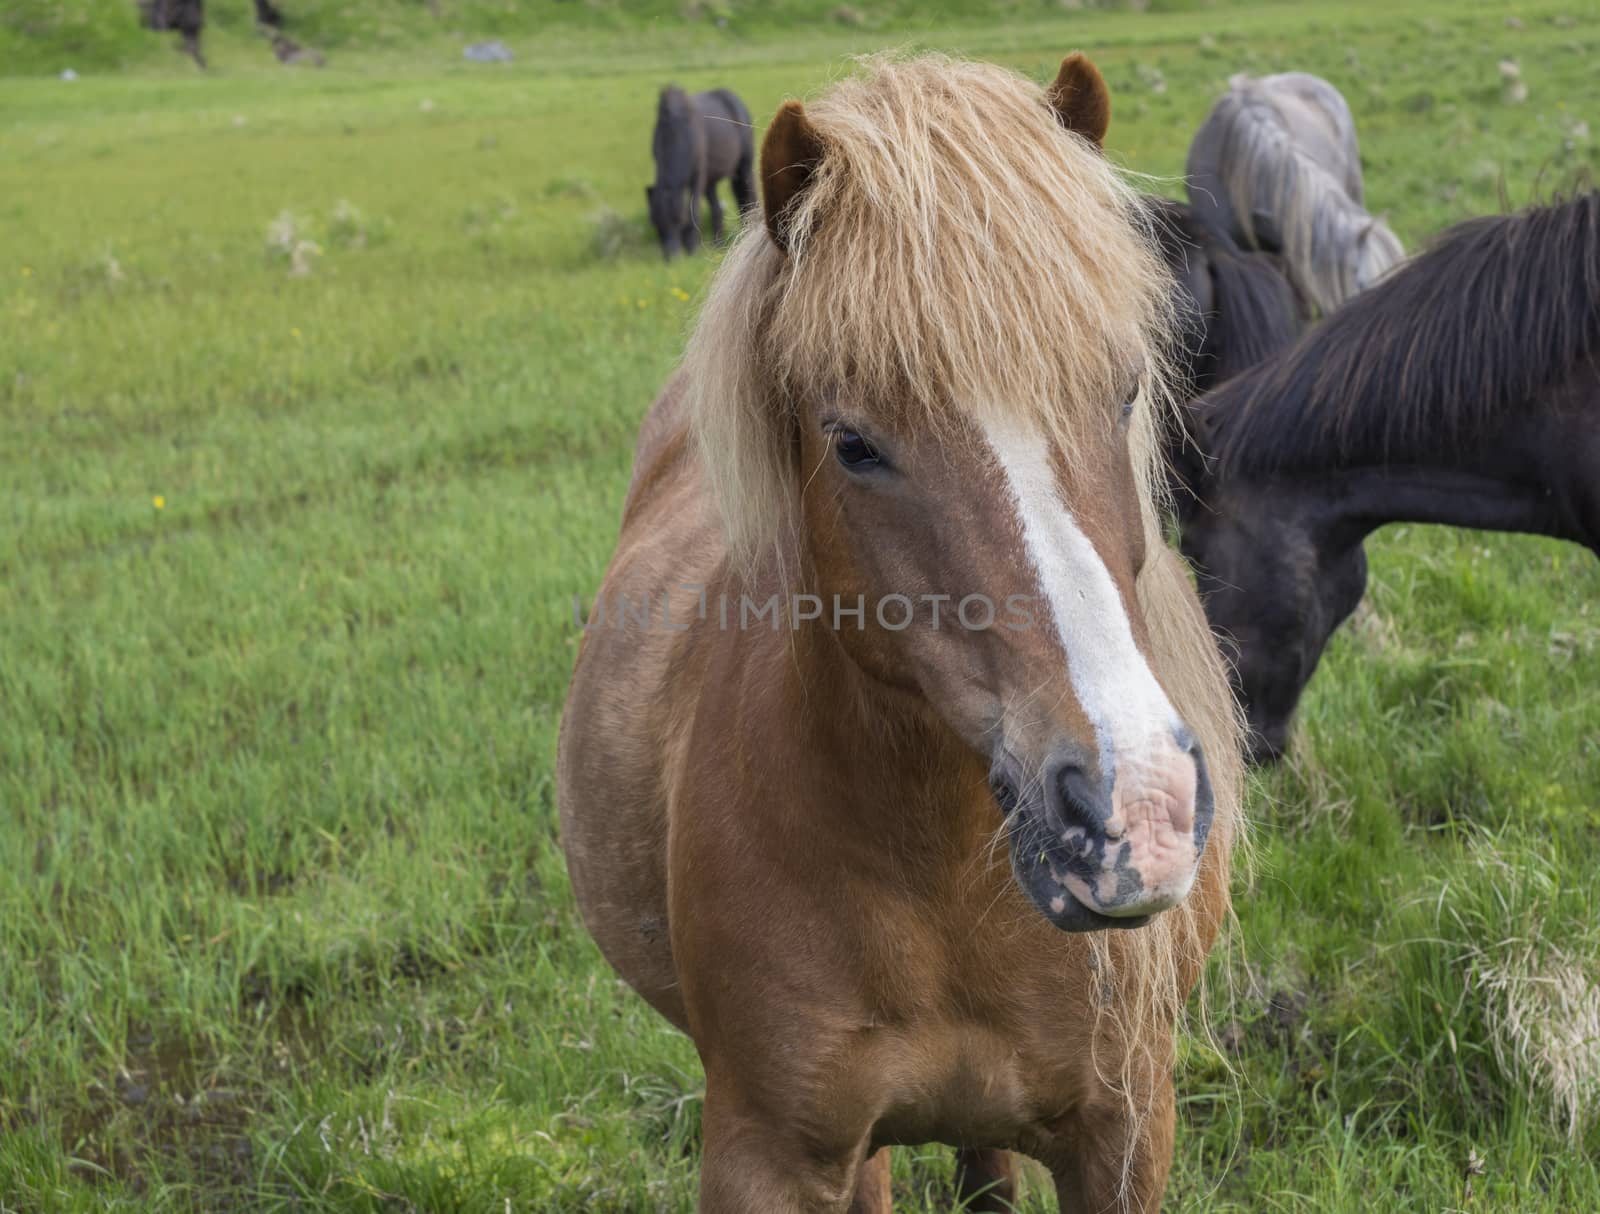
(789, 155)
(1080, 98)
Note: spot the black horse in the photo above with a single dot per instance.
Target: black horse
(698, 141)
(1463, 389)
(1236, 307)
(188, 18)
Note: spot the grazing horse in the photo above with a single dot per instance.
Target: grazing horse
(188, 17)
(698, 141)
(1275, 165)
(1236, 308)
(1461, 390)
(907, 703)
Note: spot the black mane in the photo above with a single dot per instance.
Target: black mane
(1432, 357)
(1253, 313)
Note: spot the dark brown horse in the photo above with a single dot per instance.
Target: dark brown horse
(1463, 389)
(698, 142)
(1236, 307)
(896, 701)
(188, 18)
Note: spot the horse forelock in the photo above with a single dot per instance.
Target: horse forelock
(957, 254)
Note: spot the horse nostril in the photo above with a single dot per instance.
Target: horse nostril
(1081, 802)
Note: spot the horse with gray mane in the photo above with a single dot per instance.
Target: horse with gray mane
(1275, 165)
(698, 142)
(1464, 389)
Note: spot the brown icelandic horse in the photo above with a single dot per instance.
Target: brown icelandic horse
(916, 425)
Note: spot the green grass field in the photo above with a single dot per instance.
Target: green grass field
(318, 393)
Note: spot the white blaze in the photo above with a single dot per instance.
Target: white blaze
(1131, 715)
(1154, 781)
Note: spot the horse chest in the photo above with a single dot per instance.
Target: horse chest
(961, 1083)
(908, 1018)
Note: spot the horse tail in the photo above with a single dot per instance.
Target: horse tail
(1281, 197)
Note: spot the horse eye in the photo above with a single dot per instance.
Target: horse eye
(854, 451)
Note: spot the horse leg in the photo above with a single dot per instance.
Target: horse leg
(1110, 1160)
(750, 1163)
(716, 211)
(691, 228)
(744, 185)
(986, 1180)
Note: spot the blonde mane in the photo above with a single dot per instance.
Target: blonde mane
(957, 253)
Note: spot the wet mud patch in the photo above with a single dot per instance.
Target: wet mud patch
(175, 1110)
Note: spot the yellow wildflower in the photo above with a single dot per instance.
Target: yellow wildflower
(159, 502)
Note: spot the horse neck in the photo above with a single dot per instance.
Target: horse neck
(1533, 467)
(1343, 506)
